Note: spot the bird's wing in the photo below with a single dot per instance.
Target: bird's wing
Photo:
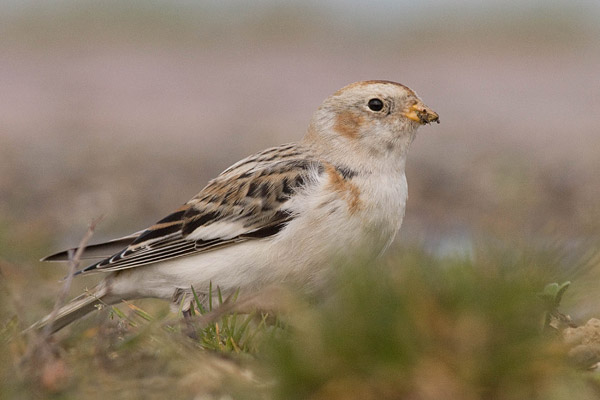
(247, 202)
(100, 250)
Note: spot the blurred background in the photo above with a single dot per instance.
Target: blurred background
(127, 109)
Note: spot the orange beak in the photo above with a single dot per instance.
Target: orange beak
(422, 114)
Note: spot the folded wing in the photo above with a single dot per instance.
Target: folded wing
(248, 204)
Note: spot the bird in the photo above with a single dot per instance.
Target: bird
(281, 215)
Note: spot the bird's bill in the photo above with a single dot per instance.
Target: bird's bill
(422, 114)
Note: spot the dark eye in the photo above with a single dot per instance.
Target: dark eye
(375, 105)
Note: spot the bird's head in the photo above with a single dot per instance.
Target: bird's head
(375, 116)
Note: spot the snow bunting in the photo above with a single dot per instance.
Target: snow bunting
(281, 215)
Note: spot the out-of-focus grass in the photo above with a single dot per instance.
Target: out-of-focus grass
(131, 354)
(411, 326)
(424, 328)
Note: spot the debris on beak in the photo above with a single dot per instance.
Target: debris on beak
(422, 114)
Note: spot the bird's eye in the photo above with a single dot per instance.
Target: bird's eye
(375, 105)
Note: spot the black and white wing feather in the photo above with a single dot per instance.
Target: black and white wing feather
(247, 201)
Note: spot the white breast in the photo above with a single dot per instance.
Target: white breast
(385, 198)
(332, 225)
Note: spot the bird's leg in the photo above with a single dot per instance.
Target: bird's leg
(190, 330)
(180, 301)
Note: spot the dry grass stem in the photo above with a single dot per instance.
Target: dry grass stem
(74, 261)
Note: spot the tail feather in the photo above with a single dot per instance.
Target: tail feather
(75, 309)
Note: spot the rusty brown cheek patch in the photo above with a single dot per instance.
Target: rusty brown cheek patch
(347, 124)
(347, 189)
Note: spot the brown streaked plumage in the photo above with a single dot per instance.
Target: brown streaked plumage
(252, 201)
(344, 186)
